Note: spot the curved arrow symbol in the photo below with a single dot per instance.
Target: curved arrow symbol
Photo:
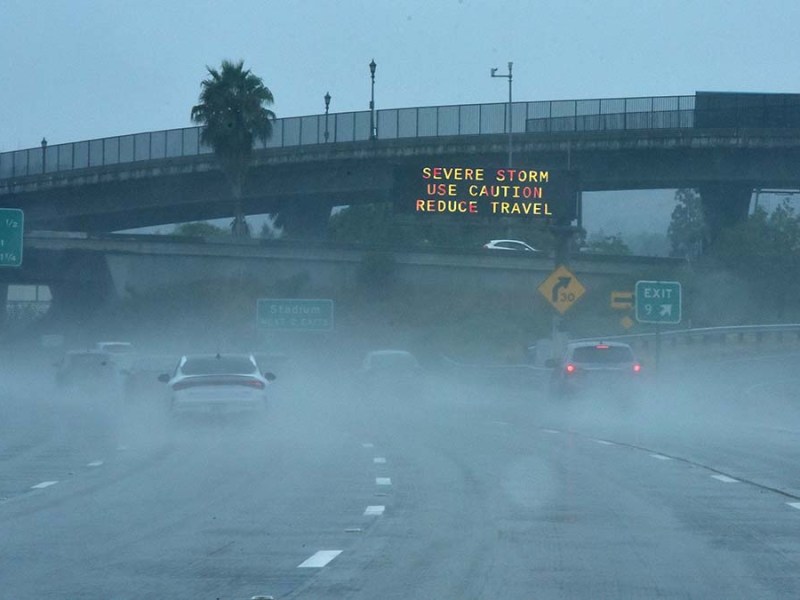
(563, 282)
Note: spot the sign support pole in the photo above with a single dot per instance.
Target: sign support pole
(658, 345)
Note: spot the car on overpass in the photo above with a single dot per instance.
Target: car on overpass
(217, 384)
(595, 368)
(511, 245)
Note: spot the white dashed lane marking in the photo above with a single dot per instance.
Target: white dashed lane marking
(374, 511)
(319, 559)
(383, 481)
(660, 457)
(725, 479)
(379, 460)
(95, 463)
(604, 442)
(794, 505)
(43, 485)
(367, 445)
(550, 431)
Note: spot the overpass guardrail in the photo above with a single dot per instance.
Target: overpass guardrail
(394, 123)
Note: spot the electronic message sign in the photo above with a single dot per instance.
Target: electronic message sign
(478, 190)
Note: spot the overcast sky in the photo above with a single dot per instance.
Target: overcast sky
(80, 69)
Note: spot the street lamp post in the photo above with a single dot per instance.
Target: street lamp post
(508, 117)
(373, 131)
(44, 155)
(327, 105)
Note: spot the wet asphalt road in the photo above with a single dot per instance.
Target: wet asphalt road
(469, 490)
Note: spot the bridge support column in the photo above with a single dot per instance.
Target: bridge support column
(724, 205)
(82, 287)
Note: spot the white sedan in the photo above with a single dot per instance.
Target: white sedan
(218, 384)
(514, 245)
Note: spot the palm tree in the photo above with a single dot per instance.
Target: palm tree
(232, 110)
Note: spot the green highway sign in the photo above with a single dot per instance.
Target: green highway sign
(284, 314)
(11, 225)
(658, 302)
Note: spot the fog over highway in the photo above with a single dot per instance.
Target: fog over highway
(473, 489)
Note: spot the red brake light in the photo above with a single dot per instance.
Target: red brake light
(602, 346)
(637, 367)
(570, 368)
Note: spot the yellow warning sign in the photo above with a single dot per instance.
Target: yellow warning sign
(626, 322)
(562, 289)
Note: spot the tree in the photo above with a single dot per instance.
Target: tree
(688, 232)
(608, 244)
(199, 229)
(764, 251)
(232, 110)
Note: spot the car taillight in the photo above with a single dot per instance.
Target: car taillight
(215, 381)
(602, 346)
(637, 367)
(570, 368)
(254, 383)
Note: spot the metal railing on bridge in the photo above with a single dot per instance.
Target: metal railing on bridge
(396, 123)
(706, 110)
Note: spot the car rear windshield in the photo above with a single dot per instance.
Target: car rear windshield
(225, 365)
(602, 354)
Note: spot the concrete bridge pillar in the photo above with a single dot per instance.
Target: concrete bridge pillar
(724, 205)
(81, 287)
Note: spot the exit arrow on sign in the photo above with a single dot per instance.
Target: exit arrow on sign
(658, 302)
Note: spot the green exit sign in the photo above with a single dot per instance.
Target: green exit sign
(288, 314)
(11, 225)
(658, 302)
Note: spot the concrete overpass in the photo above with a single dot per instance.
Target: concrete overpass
(86, 272)
(726, 145)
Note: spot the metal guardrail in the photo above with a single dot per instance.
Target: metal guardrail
(395, 123)
(735, 333)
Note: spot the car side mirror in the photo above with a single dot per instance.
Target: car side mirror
(270, 376)
(550, 363)
(163, 378)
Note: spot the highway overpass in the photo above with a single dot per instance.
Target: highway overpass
(726, 145)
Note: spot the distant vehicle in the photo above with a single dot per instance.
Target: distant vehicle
(596, 368)
(513, 245)
(218, 384)
(390, 372)
(89, 370)
(140, 377)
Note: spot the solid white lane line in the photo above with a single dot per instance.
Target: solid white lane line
(44, 484)
(379, 460)
(604, 442)
(660, 457)
(95, 463)
(319, 559)
(725, 479)
(374, 511)
(794, 505)
(383, 481)
(367, 445)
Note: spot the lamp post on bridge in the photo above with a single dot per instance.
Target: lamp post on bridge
(327, 105)
(373, 132)
(508, 117)
(44, 156)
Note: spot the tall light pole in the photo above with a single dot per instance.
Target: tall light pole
(508, 116)
(44, 156)
(373, 133)
(327, 105)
